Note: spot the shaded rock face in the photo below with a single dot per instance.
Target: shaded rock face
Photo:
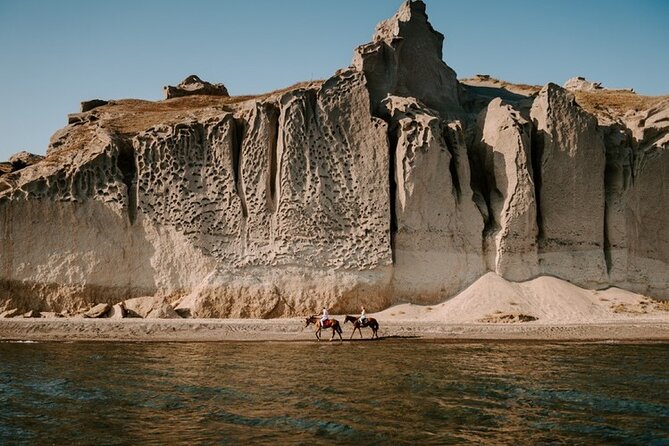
(192, 85)
(87, 106)
(437, 233)
(503, 150)
(373, 187)
(637, 194)
(569, 156)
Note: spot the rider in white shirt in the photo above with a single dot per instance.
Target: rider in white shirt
(325, 316)
(363, 317)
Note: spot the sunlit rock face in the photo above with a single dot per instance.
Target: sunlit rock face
(405, 59)
(388, 182)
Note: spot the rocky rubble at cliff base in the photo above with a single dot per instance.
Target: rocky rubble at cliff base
(389, 182)
(146, 307)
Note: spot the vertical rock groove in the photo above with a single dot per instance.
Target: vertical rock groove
(393, 131)
(125, 162)
(453, 165)
(6, 242)
(613, 173)
(536, 145)
(607, 243)
(273, 170)
(236, 156)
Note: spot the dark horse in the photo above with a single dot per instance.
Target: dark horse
(333, 323)
(370, 322)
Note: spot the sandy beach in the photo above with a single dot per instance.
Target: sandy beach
(212, 330)
(542, 309)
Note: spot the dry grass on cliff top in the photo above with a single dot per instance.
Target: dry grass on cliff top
(489, 81)
(131, 116)
(618, 101)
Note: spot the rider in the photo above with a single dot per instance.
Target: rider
(324, 317)
(363, 317)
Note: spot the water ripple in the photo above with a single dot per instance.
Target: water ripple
(281, 393)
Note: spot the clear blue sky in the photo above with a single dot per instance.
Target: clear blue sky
(54, 54)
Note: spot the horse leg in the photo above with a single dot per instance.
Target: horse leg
(318, 333)
(360, 331)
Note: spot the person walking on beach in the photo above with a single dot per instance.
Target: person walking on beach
(324, 317)
(363, 317)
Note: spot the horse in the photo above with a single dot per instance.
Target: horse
(370, 322)
(334, 324)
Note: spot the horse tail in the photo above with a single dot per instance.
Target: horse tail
(338, 328)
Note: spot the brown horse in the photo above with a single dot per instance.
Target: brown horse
(370, 322)
(334, 324)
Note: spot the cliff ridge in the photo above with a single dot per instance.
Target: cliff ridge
(389, 182)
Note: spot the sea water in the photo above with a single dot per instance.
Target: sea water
(376, 392)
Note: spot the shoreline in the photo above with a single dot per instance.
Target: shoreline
(267, 330)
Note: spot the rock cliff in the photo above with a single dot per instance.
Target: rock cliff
(391, 181)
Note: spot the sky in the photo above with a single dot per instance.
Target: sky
(55, 54)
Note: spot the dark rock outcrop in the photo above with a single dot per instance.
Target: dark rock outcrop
(87, 106)
(193, 85)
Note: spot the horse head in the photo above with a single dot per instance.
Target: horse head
(309, 320)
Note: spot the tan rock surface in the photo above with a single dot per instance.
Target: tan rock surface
(569, 164)
(149, 307)
(504, 150)
(375, 186)
(437, 241)
(17, 162)
(99, 310)
(9, 313)
(117, 311)
(581, 84)
(405, 59)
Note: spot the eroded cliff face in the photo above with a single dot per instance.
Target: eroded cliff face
(637, 194)
(270, 207)
(502, 150)
(437, 227)
(388, 182)
(569, 155)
